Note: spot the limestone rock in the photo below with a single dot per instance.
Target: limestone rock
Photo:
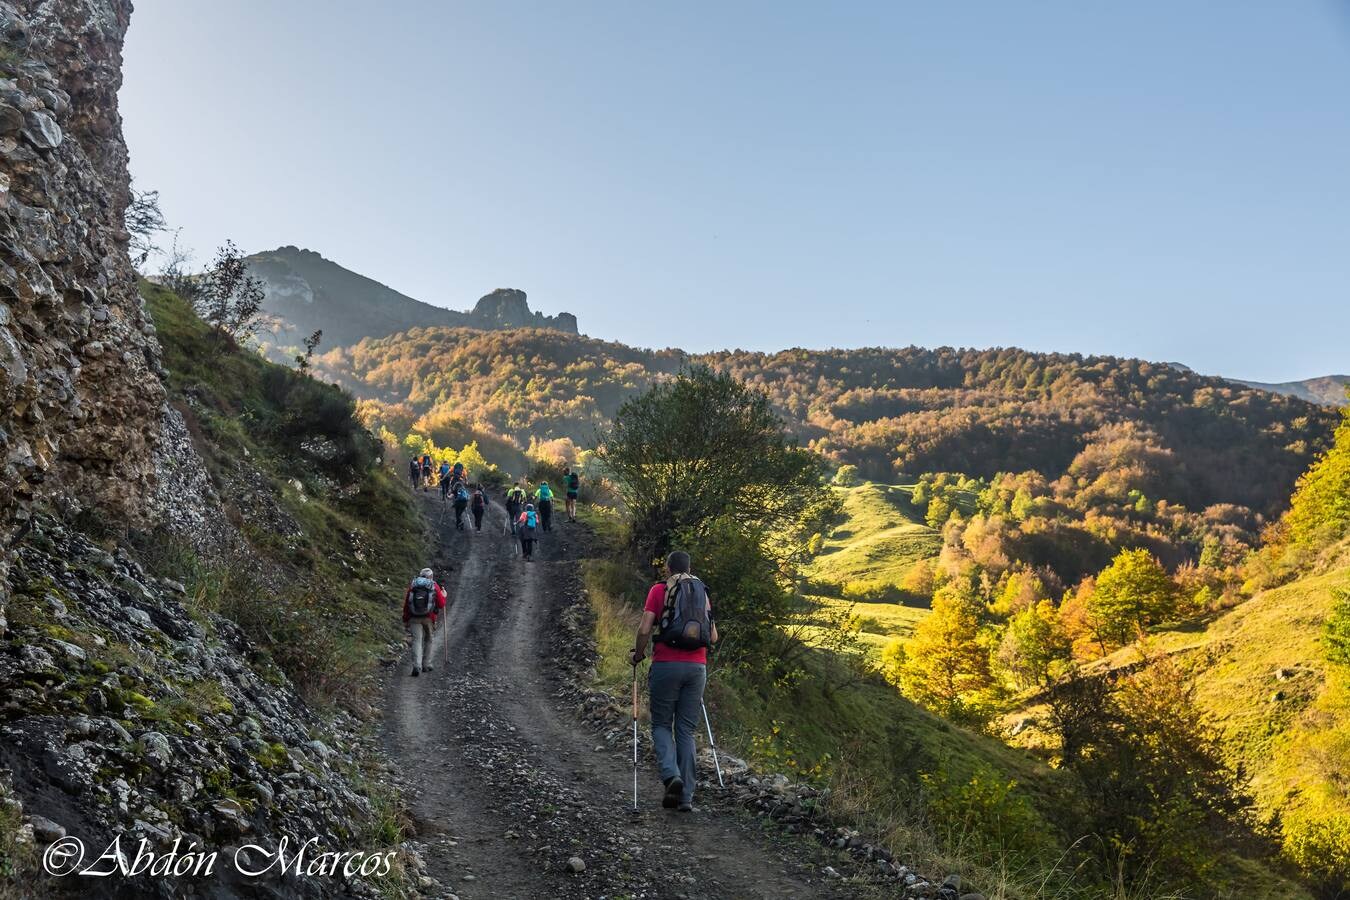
(79, 399)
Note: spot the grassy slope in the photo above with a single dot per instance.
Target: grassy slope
(878, 541)
(234, 418)
(1261, 716)
(881, 538)
(1237, 657)
(878, 741)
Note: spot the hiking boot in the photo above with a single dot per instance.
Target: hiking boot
(674, 790)
(686, 807)
(414, 672)
(426, 668)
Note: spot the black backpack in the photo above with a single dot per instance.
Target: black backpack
(685, 623)
(573, 481)
(422, 600)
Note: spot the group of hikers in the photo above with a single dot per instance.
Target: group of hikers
(527, 514)
(677, 623)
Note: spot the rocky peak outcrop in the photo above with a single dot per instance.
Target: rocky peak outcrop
(80, 400)
(508, 308)
(504, 306)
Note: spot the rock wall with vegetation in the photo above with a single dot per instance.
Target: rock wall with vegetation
(199, 553)
(205, 675)
(79, 398)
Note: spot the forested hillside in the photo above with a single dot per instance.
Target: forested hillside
(890, 412)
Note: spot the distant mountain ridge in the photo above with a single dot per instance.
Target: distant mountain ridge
(1328, 390)
(306, 292)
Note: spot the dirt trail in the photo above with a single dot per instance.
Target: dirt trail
(505, 782)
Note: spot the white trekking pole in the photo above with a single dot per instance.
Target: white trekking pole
(635, 740)
(712, 745)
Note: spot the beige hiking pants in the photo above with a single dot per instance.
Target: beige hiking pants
(420, 629)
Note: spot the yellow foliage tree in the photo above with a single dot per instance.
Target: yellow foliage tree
(1319, 512)
(947, 667)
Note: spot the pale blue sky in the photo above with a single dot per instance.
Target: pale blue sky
(1156, 179)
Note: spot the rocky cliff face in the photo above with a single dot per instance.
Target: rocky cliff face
(130, 707)
(508, 308)
(80, 402)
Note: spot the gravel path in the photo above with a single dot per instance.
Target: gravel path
(506, 784)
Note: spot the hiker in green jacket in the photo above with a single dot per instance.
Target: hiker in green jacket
(572, 483)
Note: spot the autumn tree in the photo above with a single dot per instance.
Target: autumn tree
(1158, 788)
(946, 665)
(847, 475)
(1336, 631)
(703, 448)
(939, 511)
(1131, 595)
(1320, 509)
(1035, 650)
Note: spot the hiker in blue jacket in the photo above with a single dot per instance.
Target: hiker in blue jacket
(544, 497)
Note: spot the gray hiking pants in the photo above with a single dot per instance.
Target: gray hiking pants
(676, 699)
(420, 629)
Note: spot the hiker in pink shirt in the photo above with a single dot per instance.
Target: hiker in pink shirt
(681, 613)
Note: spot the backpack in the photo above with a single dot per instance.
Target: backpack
(414, 468)
(685, 624)
(573, 481)
(545, 493)
(422, 600)
(461, 494)
(531, 519)
(478, 500)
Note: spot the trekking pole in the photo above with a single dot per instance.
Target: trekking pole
(712, 745)
(635, 740)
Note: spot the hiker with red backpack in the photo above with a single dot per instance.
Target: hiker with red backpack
(478, 505)
(681, 613)
(422, 605)
(527, 527)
